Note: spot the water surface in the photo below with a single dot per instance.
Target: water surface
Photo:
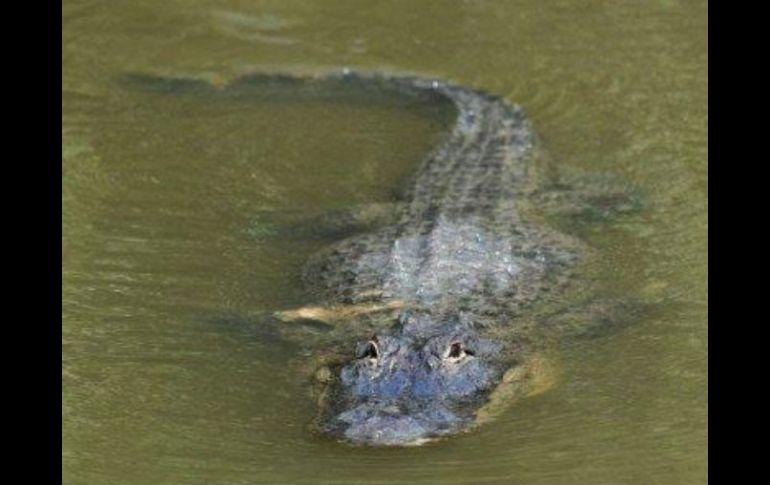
(165, 198)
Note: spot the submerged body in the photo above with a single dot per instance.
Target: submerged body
(433, 304)
(464, 257)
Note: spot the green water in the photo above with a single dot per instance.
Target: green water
(163, 199)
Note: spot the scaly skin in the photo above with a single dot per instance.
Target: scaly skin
(465, 259)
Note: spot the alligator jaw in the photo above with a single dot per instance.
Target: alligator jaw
(382, 424)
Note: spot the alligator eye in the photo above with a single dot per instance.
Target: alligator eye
(371, 351)
(457, 351)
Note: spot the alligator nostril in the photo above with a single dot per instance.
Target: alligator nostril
(392, 410)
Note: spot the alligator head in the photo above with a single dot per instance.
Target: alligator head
(412, 383)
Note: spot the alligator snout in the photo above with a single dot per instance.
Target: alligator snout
(391, 424)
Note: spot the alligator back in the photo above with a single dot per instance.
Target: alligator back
(465, 240)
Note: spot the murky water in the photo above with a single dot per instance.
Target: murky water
(164, 198)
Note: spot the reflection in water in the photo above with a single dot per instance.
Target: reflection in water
(161, 220)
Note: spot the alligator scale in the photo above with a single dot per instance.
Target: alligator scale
(433, 308)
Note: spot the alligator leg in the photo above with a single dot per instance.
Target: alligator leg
(596, 317)
(536, 375)
(588, 197)
(334, 224)
(335, 314)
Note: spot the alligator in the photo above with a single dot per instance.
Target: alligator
(441, 312)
